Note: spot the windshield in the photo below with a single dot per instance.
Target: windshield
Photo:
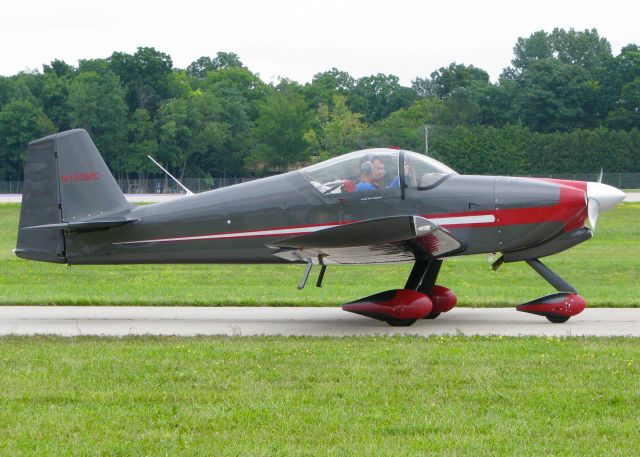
(422, 171)
(367, 170)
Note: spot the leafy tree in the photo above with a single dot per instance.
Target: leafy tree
(220, 148)
(20, 123)
(60, 68)
(283, 120)
(586, 48)
(142, 143)
(423, 87)
(146, 76)
(445, 81)
(179, 84)
(405, 128)
(5, 90)
(340, 130)
(627, 115)
(191, 131)
(175, 133)
(616, 74)
(226, 60)
(55, 92)
(19, 87)
(240, 86)
(469, 97)
(530, 50)
(460, 107)
(324, 86)
(96, 103)
(378, 96)
(199, 68)
(99, 66)
(551, 95)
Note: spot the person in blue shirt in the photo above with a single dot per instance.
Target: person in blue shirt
(371, 175)
(396, 181)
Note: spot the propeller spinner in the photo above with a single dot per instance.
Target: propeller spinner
(601, 197)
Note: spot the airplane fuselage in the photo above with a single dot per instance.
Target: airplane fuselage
(236, 224)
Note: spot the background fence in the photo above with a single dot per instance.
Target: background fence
(196, 185)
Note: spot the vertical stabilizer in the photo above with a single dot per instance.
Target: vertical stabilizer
(66, 180)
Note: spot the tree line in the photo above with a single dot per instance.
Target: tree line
(566, 104)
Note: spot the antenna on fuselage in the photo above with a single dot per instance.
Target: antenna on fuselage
(171, 176)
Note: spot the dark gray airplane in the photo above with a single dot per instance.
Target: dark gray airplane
(367, 207)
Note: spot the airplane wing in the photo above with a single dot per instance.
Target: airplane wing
(380, 240)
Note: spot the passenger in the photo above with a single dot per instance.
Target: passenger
(371, 175)
(396, 181)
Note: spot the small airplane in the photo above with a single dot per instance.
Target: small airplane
(367, 207)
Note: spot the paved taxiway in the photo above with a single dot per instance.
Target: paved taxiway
(247, 321)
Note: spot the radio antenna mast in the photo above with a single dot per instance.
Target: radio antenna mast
(171, 176)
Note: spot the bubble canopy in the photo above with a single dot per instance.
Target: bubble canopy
(375, 169)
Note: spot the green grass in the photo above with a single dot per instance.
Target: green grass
(319, 396)
(606, 271)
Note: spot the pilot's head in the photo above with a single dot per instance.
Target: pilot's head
(373, 169)
(378, 170)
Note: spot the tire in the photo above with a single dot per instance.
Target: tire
(401, 322)
(431, 316)
(557, 319)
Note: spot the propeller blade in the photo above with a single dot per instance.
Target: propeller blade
(593, 208)
(600, 175)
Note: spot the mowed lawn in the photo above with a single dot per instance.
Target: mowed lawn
(605, 270)
(375, 396)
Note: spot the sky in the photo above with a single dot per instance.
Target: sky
(297, 39)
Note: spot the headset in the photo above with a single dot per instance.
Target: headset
(367, 165)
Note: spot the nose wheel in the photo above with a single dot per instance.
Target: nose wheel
(558, 307)
(401, 322)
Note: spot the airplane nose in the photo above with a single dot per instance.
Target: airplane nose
(606, 196)
(601, 197)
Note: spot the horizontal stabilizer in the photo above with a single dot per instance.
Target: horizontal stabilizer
(380, 240)
(86, 226)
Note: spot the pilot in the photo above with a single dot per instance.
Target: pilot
(371, 175)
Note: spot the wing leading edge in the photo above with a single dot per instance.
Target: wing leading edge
(380, 240)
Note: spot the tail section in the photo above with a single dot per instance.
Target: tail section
(67, 185)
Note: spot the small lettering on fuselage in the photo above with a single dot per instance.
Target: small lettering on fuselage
(79, 177)
(370, 198)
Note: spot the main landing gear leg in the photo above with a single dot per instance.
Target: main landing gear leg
(558, 307)
(423, 279)
(423, 275)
